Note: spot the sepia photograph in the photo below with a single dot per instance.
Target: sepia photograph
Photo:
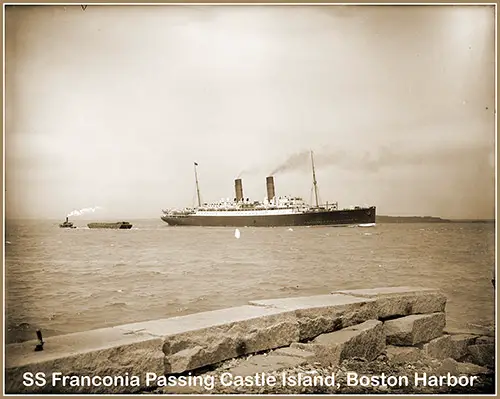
(245, 198)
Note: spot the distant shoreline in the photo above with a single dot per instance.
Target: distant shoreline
(379, 219)
(427, 219)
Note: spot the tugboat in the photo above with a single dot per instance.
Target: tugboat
(67, 224)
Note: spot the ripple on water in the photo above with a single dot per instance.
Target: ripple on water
(64, 281)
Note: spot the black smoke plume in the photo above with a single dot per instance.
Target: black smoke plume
(377, 159)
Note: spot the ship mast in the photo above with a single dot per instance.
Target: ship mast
(197, 186)
(314, 180)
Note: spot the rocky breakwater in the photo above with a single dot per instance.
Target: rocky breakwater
(346, 341)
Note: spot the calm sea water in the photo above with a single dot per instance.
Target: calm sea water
(67, 280)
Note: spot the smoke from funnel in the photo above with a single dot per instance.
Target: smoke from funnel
(372, 160)
(250, 171)
(83, 211)
(295, 161)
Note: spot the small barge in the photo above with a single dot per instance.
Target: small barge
(110, 225)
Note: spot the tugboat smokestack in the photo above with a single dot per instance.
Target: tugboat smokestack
(238, 188)
(270, 188)
(66, 219)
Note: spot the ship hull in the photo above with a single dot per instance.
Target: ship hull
(320, 218)
(66, 226)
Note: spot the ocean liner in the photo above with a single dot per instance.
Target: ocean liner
(273, 211)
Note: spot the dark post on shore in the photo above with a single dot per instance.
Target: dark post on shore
(39, 346)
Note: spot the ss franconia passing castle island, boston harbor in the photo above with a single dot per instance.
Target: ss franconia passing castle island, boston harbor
(273, 211)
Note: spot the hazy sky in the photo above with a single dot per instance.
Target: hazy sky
(111, 106)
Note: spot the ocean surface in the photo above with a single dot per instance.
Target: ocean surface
(68, 280)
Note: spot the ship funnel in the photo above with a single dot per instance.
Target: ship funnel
(270, 188)
(66, 219)
(238, 188)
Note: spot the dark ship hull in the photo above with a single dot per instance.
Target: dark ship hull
(113, 225)
(311, 218)
(67, 226)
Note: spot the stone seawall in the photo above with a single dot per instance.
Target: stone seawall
(323, 330)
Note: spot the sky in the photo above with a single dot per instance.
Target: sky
(110, 107)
